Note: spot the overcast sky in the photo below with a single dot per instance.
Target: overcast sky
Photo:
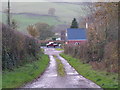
(60, 0)
(46, 0)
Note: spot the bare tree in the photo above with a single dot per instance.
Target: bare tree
(51, 11)
(33, 31)
(45, 30)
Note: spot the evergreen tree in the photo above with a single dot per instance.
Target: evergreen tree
(74, 23)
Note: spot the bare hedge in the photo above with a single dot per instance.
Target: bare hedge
(102, 57)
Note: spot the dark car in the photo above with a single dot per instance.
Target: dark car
(52, 44)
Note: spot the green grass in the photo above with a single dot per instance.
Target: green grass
(0, 80)
(59, 49)
(102, 78)
(25, 73)
(60, 67)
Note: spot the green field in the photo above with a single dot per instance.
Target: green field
(24, 20)
(102, 78)
(64, 13)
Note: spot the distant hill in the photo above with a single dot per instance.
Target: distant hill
(29, 13)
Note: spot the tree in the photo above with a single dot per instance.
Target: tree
(74, 23)
(51, 11)
(33, 31)
(45, 30)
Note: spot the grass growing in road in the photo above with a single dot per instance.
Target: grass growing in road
(59, 49)
(25, 73)
(60, 67)
(103, 79)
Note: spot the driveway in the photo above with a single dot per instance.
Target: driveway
(50, 79)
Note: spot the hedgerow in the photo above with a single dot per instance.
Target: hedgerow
(101, 58)
(17, 48)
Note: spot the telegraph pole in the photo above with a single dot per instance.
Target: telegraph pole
(8, 12)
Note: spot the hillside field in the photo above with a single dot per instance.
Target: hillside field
(30, 13)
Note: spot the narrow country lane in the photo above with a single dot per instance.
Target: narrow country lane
(50, 79)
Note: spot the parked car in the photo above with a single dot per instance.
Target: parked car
(52, 44)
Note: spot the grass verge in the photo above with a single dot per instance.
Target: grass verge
(103, 79)
(24, 74)
(60, 67)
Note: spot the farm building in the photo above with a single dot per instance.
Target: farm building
(76, 35)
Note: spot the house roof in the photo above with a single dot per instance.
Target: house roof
(76, 34)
